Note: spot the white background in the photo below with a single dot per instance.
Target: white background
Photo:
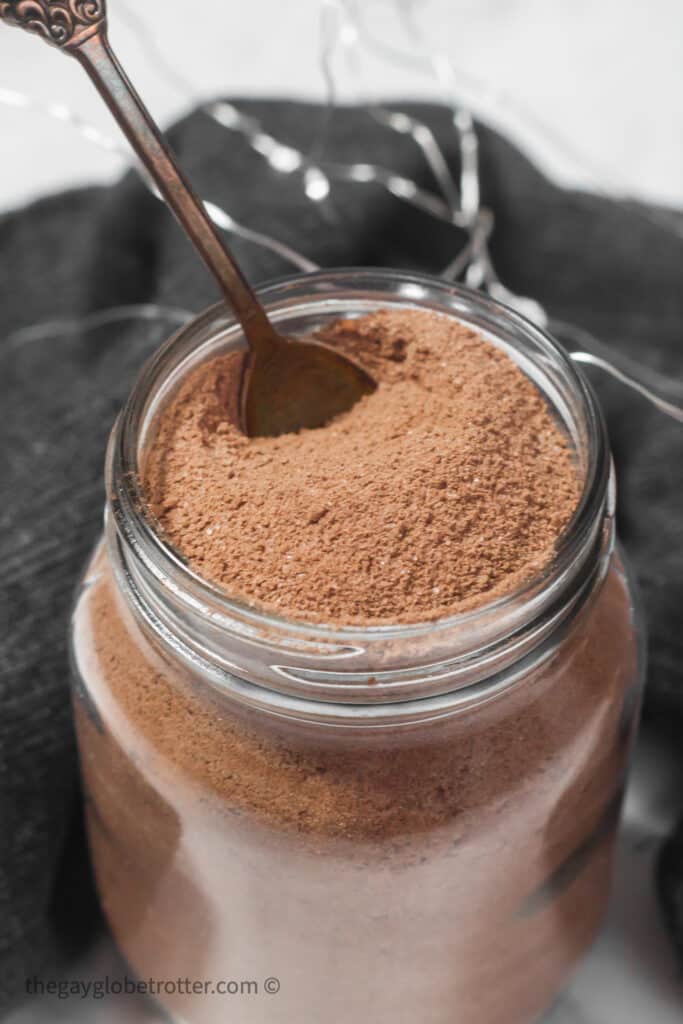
(593, 88)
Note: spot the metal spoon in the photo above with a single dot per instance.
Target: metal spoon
(287, 384)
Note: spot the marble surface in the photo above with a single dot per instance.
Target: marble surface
(629, 977)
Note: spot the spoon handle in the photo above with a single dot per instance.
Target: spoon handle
(78, 27)
(99, 61)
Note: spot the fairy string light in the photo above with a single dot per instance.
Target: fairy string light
(456, 201)
(91, 134)
(473, 262)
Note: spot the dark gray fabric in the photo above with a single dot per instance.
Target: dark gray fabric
(603, 265)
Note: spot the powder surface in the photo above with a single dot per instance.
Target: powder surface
(446, 488)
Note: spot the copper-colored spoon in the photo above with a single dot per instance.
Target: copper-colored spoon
(288, 384)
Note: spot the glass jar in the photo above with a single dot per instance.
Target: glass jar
(393, 824)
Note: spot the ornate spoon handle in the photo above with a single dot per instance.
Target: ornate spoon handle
(79, 28)
(64, 23)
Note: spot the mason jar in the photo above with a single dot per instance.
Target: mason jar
(299, 822)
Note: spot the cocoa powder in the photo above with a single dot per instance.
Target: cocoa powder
(465, 858)
(295, 779)
(475, 849)
(448, 486)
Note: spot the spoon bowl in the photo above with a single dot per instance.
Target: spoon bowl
(297, 385)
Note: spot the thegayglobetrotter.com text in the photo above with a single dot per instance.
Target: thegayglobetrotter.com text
(101, 988)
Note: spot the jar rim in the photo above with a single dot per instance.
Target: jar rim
(139, 533)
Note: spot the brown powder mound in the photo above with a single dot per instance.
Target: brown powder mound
(448, 486)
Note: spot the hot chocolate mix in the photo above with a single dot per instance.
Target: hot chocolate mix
(439, 871)
(448, 486)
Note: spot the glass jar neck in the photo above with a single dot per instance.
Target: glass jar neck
(386, 672)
